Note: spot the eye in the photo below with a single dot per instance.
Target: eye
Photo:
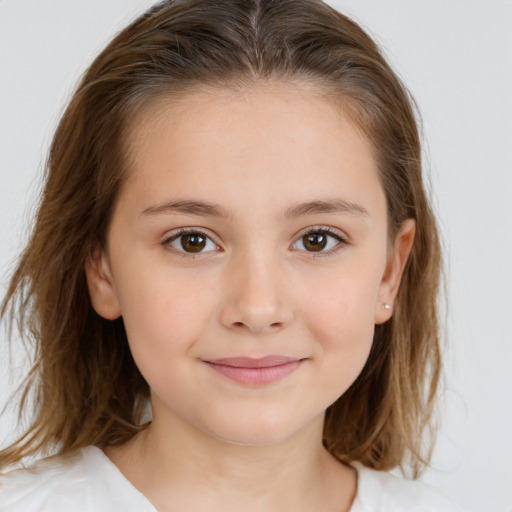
(320, 240)
(191, 241)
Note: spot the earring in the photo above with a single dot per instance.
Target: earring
(387, 306)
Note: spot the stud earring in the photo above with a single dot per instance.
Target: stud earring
(387, 306)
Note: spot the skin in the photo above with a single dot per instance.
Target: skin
(256, 289)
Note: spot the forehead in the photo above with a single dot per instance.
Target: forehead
(277, 137)
(222, 111)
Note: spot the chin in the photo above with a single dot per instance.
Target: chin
(261, 431)
(254, 439)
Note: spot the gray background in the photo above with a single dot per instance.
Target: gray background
(456, 57)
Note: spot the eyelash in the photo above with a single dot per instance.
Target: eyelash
(342, 242)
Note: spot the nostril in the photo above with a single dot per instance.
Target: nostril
(242, 324)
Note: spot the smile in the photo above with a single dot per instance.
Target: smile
(255, 371)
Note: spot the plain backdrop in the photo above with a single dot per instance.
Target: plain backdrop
(456, 58)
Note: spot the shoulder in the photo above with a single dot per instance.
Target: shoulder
(379, 491)
(86, 480)
(45, 485)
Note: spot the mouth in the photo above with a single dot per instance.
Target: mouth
(255, 371)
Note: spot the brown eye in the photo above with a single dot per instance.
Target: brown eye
(193, 243)
(320, 240)
(315, 241)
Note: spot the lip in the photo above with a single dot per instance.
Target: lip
(255, 371)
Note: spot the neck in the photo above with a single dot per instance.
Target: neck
(178, 467)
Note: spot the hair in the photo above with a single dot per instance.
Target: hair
(84, 387)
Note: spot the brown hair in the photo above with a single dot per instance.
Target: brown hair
(85, 384)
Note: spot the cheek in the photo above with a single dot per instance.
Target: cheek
(340, 317)
(342, 304)
(164, 315)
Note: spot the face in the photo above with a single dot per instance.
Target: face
(248, 255)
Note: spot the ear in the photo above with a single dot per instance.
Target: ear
(101, 286)
(394, 269)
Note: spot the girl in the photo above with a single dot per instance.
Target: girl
(231, 283)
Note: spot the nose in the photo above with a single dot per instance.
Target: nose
(256, 298)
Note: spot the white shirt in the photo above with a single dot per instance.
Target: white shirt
(89, 482)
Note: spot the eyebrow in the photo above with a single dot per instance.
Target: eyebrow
(327, 206)
(203, 208)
